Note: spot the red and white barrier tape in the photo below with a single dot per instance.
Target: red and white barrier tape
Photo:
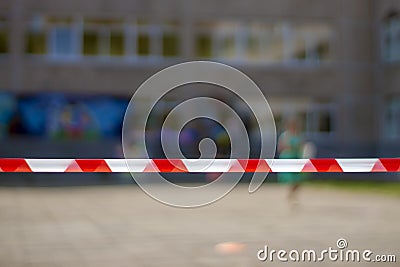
(200, 165)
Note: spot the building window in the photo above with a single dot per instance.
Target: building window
(263, 42)
(149, 40)
(103, 37)
(320, 120)
(170, 45)
(4, 38)
(392, 119)
(36, 36)
(310, 42)
(225, 36)
(157, 40)
(90, 43)
(145, 38)
(62, 41)
(57, 37)
(204, 40)
(218, 40)
(143, 44)
(170, 39)
(391, 37)
(117, 43)
(63, 37)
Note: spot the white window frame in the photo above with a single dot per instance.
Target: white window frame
(288, 34)
(130, 29)
(155, 33)
(218, 36)
(51, 42)
(104, 34)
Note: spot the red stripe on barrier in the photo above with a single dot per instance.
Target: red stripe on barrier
(170, 165)
(326, 165)
(14, 165)
(391, 165)
(93, 165)
(254, 165)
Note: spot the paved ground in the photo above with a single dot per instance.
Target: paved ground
(121, 226)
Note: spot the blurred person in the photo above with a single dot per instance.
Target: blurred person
(290, 146)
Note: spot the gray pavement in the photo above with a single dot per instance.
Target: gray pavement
(122, 226)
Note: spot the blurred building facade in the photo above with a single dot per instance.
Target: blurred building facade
(336, 64)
